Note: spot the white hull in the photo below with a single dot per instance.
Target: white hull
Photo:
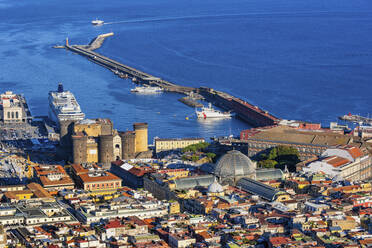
(97, 22)
(211, 113)
(147, 90)
(64, 107)
(205, 115)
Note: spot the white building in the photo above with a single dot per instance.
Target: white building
(12, 108)
(91, 213)
(346, 162)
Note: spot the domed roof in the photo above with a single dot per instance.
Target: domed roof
(234, 164)
(215, 187)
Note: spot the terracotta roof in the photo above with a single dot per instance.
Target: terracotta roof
(277, 241)
(355, 152)
(107, 176)
(65, 181)
(336, 161)
(114, 224)
(39, 191)
(45, 170)
(79, 169)
(14, 194)
(139, 172)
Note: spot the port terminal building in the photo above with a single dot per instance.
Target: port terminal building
(14, 108)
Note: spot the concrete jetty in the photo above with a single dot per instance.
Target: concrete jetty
(244, 110)
(136, 75)
(98, 41)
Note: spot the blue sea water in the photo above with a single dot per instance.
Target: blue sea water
(307, 60)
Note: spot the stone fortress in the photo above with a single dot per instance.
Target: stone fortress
(96, 141)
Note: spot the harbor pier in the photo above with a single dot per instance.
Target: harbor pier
(253, 115)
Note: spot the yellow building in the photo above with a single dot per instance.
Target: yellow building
(174, 207)
(94, 128)
(175, 144)
(19, 195)
(32, 192)
(141, 131)
(174, 173)
(92, 151)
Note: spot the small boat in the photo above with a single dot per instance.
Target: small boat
(147, 90)
(97, 22)
(209, 112)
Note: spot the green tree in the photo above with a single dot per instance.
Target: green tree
(279, 157)
(196, 147)
(211, 155)
(273, 154)
(194, 158)
(267, 163)
(286, 150)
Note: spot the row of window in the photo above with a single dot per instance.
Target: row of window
(300, 149)
(102, 185)
(12, 115)
(9, 222)
(33, 221)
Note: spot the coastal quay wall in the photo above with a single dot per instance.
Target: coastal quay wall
(249, 113)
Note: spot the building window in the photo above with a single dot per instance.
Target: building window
(8, 115)
(16, 115)
(12, 115)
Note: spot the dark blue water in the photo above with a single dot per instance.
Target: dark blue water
(307, 60)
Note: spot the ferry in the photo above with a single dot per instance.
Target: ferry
(63, 106)
(147, 90)
(97, 22)
(210, 112)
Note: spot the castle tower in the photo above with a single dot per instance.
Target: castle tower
(65, 131)
(79, 151)
(141, 137)
(117, 145)
(106, 149)
(128, 144)
(106, 127)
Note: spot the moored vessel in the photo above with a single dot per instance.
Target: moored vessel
(210, 112)
(147, 89)
(63, 106)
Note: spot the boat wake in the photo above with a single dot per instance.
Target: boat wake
(222, 15)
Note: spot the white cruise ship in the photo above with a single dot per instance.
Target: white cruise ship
(63, 106)
(209, 112)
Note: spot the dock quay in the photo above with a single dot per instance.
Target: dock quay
(190, 102)
(356, 118)
(136, 75)
(249, 113)
(253, 115)
(98, 41)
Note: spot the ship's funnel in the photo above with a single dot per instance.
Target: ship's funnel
(60, 88)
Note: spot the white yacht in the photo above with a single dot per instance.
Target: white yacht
(210, 112)
(97, 22)
(63, 106)
(147, 90)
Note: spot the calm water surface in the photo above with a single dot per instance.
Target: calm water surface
(308, 60)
